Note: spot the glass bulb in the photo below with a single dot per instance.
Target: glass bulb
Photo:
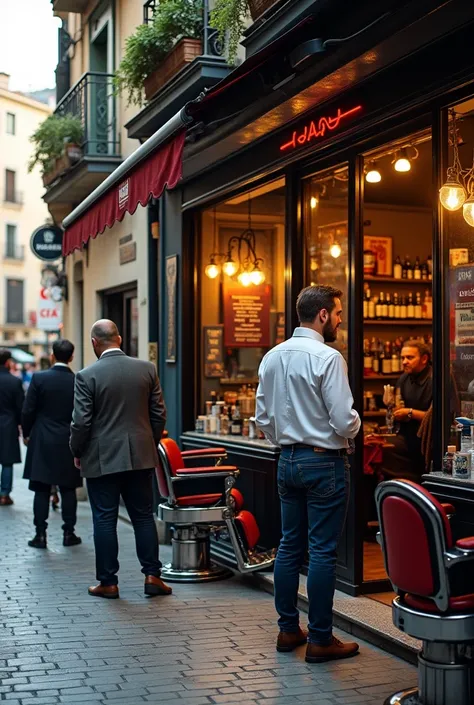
(257, 276)
(313, 264)
(452, 195)
(468, 211)
(245, 278)
(373, 176)
(230, 267)
(402, 164)
(335, 250)
(212, 270)
(314, 202)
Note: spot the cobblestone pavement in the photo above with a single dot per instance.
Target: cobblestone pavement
(205, 644)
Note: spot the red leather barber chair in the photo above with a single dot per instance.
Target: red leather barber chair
(420, 556)
(202, 500)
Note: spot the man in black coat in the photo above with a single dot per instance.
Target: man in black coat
(46, 418)
(11, 401)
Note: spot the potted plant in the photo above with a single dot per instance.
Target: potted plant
(230, 17)
(57, 141)
(157, 51)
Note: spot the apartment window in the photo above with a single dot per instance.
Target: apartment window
(10, 242)
(11, 123)
(15, 301)
(10, 178)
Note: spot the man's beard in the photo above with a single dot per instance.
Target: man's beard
(329, 332)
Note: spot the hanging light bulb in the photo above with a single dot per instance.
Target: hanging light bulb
(257, 276)
(314, 202)
(373, 176)
(402, 163)
(468, 210)
(245, 278)
(452, 195)
(212, 270)
(229, 267)
(335, 250)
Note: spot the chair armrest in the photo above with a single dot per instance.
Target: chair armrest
(466, 544)
(204, 453)
(201, 475)
(460, 553)
(449, 508)
(229, 469)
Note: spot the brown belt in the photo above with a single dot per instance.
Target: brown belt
(316, 449)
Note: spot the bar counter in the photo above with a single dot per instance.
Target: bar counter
(460, 493)
(257, 461)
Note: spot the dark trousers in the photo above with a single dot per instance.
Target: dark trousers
(314, 490)
(136, 489)
(41, 506)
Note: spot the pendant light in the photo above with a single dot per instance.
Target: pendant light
(402, 162)
(213, 269)
(468, 210)
(453, 194)
(373, 176)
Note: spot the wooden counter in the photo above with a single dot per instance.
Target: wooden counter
(460, 493)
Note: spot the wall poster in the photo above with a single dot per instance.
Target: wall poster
(171, 296)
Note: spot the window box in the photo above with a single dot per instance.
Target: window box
(185, 51)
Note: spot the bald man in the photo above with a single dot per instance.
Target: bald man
(117, 422)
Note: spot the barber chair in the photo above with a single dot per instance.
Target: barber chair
(201, 500)
(420, 555)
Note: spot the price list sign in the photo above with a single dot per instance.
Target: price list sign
(213, 351)
(247, 317)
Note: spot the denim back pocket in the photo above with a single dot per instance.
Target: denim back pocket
(319, 478)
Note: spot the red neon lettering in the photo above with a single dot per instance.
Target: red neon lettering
(319, 129)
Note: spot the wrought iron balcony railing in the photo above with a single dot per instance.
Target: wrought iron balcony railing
(12, 251)
(212, 46)
(92, 100)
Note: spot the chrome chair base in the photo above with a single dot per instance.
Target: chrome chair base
(191, 557)
(404, 697)
(198, 575)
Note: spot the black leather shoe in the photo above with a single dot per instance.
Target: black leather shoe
(70, 539)
(39, 541)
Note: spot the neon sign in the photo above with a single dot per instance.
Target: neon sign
(315, 130)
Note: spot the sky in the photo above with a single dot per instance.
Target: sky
(28, 43)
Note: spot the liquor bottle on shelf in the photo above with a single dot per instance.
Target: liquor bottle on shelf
(379, 306)
(381, 355)
(371, 308)
(387, 359)
(385, 307)
(417, 269)
(428, 306)
(396, 306)
(408, 268)
(418, 306)
(390, 307)
(429, 262)
(375, 356)
(403, 308)
(367, 358)
(397, 268)
(410, 306)
(366, 301)
(424, 271)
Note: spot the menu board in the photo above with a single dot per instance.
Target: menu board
(247, 316)
(213, 351)
(464, 307)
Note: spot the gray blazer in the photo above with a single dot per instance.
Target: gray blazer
(119, 415)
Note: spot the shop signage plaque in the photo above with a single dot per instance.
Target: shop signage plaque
(47, 243)
(318, 128)
(247, 316)
(213, 351)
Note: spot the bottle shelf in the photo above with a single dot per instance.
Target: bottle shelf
(376, 378)
(392, 280)
(374, 414)
(397, 322)
(235, 381)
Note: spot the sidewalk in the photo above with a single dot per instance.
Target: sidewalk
(206, 644)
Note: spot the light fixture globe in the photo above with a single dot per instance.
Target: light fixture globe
(452, 195)
(257, 277)
(229, 267)
(335, 250)
(314, 202)
(468, 210)
(212, 270)
(245, 278)
(373, 176)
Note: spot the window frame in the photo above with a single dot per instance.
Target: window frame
(8, 320)
(10, 194)
(10, 121)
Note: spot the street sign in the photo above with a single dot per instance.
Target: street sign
(47, 243)
(49, 313)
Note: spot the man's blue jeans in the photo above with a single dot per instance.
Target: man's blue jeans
(314, 491)
(6, 482)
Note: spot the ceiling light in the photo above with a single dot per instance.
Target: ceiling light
(452, 195)
(402, 163)
(373, 176)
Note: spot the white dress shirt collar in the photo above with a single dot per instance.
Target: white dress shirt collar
(109, 350)
(303, 332)
(60, 364)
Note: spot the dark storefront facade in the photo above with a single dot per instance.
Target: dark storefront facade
(302, 189)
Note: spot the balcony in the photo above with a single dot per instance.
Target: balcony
(85, 166)
(77, 6)
(13, 198)
(189, 68)
(13, 252)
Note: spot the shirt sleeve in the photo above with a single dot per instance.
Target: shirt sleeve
(338, 399)
(261, 415)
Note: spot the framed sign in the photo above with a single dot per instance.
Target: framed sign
(213, 337)
(383, 249)
(247, 316)
(171, 295)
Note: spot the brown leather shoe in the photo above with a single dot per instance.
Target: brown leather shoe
(315, 653)
(110, 592)
(287, 641)
(155, 586)
(6, 501)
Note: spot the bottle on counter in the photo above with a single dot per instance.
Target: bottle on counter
(225, 422)
(397, 268)
(462, 465)
(236, 423)
(448, 460)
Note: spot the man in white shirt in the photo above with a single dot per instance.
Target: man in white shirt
(304, 405)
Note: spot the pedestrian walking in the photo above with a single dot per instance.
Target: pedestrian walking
(119, 416)
(11, 401)
(46, 420)
(304, 405)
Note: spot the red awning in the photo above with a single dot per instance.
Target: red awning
(146, 180)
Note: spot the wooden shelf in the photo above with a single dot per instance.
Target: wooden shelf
(397, 322)
(368, 414)
(234, 381)
(393, 375)
(392, 280)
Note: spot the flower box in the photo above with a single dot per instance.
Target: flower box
(185, 51)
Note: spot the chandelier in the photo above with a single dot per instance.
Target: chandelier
(241, 258)
(458, 190)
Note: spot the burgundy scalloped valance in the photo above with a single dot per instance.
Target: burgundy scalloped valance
(147, 180)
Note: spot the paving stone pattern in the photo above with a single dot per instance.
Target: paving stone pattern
(205, 644)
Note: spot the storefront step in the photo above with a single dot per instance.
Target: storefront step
(363, 618)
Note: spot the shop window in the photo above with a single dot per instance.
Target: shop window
(242, 295)
(457, 199)
(326, 237)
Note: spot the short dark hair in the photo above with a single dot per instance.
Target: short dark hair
(422, 347)
(63, 350)
(5, 355)
(314, 299)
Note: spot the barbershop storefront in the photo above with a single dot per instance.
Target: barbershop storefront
(346, 194)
